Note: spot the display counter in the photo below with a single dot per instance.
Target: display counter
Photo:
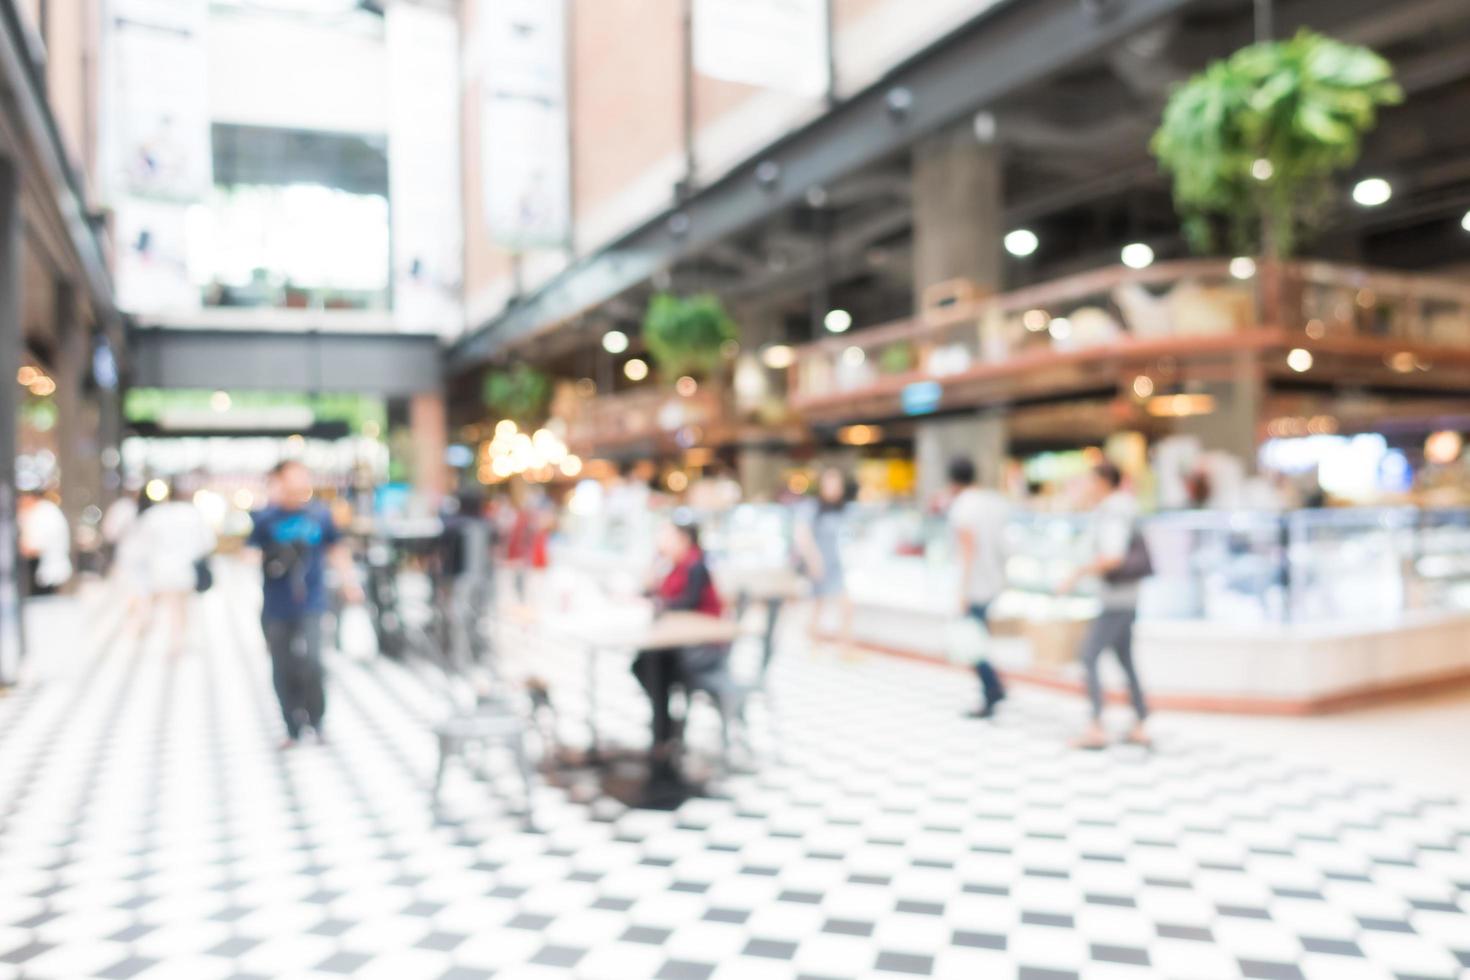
(1293, 612)
(1248, 611)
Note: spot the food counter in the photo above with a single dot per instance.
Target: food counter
(1253, 611)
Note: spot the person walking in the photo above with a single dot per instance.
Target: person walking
(45, 543)
(978, 517)
(170, 540)
(819, 530)
(1120, 562)
(297, 539)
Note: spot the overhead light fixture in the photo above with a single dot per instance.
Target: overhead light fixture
(1372, 192)
(1403, 362)
(859, 435)
(1242, 267)
(1465, 221)
(837, 321)
(1060, 328)
(1035, 321)
(1143, 386)
(1180, 406)
(1137, 255)
(778, 357)
(853, 356)
(614, 341)
(1444, 447)
(636, 369)
(1300, 360)
(1021, 242)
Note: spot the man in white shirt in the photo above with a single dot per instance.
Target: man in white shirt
(1112, 538)
(978, 516)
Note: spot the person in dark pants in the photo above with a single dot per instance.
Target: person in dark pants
(1114, 526)
(687, 587)
(978, 516)
(296, 539)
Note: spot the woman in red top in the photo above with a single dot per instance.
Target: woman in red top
(686, 587)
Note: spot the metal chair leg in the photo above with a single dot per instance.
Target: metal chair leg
(523, 762)
(447, 748)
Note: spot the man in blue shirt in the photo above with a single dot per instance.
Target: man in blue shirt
(296, 539)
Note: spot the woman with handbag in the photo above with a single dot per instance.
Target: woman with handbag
(175, 542)
(1120, 563)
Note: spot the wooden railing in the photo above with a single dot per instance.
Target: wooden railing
(652, 414)
(1192, 305)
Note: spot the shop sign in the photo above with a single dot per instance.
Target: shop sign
(525, 164)
(921, 397)
(776, 44)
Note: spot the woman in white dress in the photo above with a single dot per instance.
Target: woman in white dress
(171, 537)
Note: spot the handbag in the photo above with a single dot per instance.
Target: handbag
(966, 641)
(1137, 563)
(203, 575)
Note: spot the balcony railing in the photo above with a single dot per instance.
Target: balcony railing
(650, 415)
(1190, 307)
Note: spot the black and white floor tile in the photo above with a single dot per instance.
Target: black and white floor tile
(149, 828)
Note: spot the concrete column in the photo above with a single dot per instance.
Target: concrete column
(981, 438)
(1234, 425)
(428, 424)
(75, 438)
(958, 212)
(12, 643)
(958, 229)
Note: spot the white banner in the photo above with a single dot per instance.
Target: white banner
(776, 44)
(157, 140)
(423, 168)
(525, 165)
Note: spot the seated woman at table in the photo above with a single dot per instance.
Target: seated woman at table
(687, 587)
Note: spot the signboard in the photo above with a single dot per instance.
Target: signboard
(777, 44)
(525, 164)
(423, 167)
(157, 140)
(921, 397)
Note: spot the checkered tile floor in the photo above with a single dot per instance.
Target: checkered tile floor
(150, 829)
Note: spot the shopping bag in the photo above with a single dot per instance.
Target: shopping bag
(356, 636)
(966, 641)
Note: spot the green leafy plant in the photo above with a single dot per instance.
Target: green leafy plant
(520, 393)
(897, 358)
(685, 335)
(1254, 139)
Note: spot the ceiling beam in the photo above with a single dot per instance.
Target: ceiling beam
(1006, 49)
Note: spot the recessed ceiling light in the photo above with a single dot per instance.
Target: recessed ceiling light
(837, 321)
(1137, 256)
(1021, 242)
(1372, 192)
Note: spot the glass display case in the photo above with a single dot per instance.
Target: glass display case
(1364, 565)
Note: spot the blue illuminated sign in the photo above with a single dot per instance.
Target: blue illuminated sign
(921, 397)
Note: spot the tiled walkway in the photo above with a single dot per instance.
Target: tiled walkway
(149, 828)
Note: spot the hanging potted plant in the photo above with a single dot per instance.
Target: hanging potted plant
(687, 335)
(1252, 142)
(519, 393)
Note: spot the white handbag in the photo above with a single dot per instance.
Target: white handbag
(966, 641)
